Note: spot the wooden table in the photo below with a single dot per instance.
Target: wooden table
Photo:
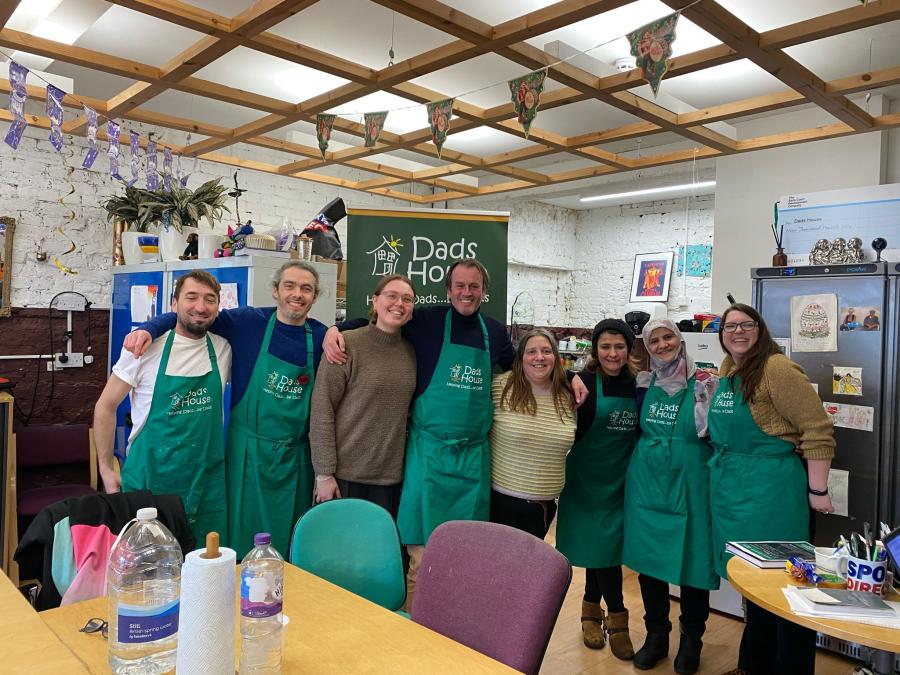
(28, 645)
(331, 631)
(763, 588)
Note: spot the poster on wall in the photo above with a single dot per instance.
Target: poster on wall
(651, 276)
(422, 244)
(814, 323)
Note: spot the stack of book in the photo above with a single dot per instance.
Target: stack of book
(771, 554)
(829, 603)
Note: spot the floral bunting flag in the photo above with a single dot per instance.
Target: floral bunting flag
(93, 151)
(323, 131)
(54, 111)
(167, 169)
(651, 45)
(439, 118)
(152, 173)
(374, 124)
(17, 76)
(113, 149)
(135, 139)
(526, 94)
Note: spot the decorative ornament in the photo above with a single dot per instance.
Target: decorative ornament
(152, 171)
(135, 138)
(374, 124)
(183, 181)
(167, 169)
(70, 215)
(323, 131)
(854, 251)
(838, 251)
(526, 95)
(819, 253)
(651, 46)
(113, 150)
(439, 118)
(93, 150)
(17, 76)
(54, 111)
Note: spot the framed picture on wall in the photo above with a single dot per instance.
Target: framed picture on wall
(651, 276)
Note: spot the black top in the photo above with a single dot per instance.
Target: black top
(620, 386)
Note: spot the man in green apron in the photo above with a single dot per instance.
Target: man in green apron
(177, 444)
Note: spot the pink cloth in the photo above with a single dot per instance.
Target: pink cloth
(91, 545)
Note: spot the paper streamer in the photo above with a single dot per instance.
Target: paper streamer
(70, 214)
(17, 76)
(112, 134)
(167, 169)
(152, 171)
(93, 151)
(206, 624)
(135, 138)
(54, 111)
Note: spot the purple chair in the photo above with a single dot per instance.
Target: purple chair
(493, 588)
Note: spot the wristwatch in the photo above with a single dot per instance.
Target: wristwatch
(817, 493)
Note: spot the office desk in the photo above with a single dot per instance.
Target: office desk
(331, 631)
(27, 645)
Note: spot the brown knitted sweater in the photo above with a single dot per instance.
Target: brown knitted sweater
(786, 406)
(358, 418)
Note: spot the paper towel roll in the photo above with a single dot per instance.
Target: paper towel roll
(206, 625)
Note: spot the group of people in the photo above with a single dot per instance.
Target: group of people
(434, 415)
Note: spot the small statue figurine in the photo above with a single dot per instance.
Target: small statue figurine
(838, 252)
(854, 251)
(819, 253)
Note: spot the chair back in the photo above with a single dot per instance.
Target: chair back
(353, 544)
(50, 445)
(493, 588)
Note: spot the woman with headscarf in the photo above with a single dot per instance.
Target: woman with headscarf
(589, 528)
(668, 531)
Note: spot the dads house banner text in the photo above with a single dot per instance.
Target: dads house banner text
(422, 245)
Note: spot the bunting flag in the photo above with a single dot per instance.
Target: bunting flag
(167, 169)
(113, 150)
(374, 124)
(17, 76)
(54, 111)
(439, 118)
(93, 151)
(152, 171)
(323, 131)
(526, 95)
(651, 46)
(135, 138)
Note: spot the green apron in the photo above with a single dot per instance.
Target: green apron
(668, 533)
(757, 481)
(448, 456)
(589, 523)
(268, 468)
(181, 447)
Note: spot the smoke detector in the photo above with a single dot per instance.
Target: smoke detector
(625, 63)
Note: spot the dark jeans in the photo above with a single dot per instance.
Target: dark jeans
(386, 496)
(694, 607)
(775, 646)
(605, 583)
(533, 517)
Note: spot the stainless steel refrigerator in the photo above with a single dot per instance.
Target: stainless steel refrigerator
(868, 297)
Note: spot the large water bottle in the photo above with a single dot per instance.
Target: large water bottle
(144, 577)
(262, 579)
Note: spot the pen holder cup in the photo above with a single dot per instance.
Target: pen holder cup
(829, 561)
(868, 576)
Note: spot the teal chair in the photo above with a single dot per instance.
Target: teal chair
(353, 544)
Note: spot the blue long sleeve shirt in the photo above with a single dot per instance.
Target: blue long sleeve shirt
(245, 328)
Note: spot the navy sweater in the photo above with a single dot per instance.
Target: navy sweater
(621, 386)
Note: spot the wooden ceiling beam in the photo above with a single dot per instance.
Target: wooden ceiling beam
(7, 8)
(829, 25)
(181, 14)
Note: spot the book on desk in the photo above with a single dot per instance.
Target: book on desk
(771, 554)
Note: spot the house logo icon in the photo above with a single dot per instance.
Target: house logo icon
(385, 256)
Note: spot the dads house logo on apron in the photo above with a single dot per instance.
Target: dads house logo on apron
(724, 403)
(663, 413)
(465, 377)
(283, 387)
(195, 401)
(623, 420)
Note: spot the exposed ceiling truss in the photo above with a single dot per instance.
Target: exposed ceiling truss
(250, 29)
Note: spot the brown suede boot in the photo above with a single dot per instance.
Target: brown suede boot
(617, 634)
(592, 619)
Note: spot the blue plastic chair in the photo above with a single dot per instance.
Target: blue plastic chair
(353, 544)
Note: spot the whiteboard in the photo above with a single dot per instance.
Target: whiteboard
(866, 213)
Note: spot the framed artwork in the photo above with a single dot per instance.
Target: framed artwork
(651, 276)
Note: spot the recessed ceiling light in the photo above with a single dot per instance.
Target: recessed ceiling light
(652, 191)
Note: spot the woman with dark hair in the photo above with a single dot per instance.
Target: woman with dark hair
(668, 534)
(533, 428)
(589, 528)
(764, 416)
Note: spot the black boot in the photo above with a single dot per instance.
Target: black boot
(687, 661)
(656, 648)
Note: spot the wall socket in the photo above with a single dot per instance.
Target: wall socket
(75, 360)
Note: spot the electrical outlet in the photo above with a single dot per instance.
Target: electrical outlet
(70, 302)
(75, 360)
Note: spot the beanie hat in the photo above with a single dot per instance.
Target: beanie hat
(613, 326)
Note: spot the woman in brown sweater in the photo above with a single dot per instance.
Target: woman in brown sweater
(358, 419)
(764, 417)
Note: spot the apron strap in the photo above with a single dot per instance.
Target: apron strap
(455, 444)
(484, 331)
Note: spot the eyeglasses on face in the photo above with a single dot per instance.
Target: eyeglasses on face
(95, 625)
(392, 296)
(746, 326)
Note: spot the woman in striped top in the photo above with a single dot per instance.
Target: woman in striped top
(533, 429)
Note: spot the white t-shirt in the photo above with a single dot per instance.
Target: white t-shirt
(187, 358)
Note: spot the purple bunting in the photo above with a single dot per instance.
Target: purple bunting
(135, 138)
(92, 152)
(17, 76)
(54, 111)
(113, 150)
(167, 169)
(152, 173)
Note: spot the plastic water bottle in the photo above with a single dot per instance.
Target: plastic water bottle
(144, 577)
(262, 579)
